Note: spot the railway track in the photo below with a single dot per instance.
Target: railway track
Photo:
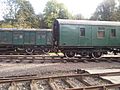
(52, 58)
(84, 81)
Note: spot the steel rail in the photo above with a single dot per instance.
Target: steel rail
(29, 78)
(99, 87)
(54, 86)
(43, 58)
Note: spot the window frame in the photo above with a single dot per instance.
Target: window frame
(101, 29)
(113, 34)
(82, 32)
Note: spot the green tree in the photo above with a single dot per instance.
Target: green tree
(63, 12)
(105, 11)
(26, 16)
(10, 11)
(54, 10)
(42, 23)
(21, 14)
(78, 17)
(117, 13)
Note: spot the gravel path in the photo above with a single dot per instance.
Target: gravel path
(40, 69)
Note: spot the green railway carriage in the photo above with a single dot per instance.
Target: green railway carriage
(27, 40)
(86, 37)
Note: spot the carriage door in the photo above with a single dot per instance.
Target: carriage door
(29, 37)
(84, 35)
(99, 36)
(113, 36)
(5, 37)
(49, 38)
(68, 35)
(18, 37)
(32, 37)
(41, 38)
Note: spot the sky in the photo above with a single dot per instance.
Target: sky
(1, 11)
(84, 7)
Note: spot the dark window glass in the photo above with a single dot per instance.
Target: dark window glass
(82, 32)
(113, 32)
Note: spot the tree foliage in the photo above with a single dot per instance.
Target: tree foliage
(21, 14)
(54, 10)
(105, 11)
(26, 16)
(42, 21)
(78, 17)
(117, 13)
(10, 12)
(11, 9)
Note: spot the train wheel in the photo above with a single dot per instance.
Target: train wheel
(90, 55)
(84, 54)
(29, 51)
(46, 50)
(97, 54)
(70, 54)
(16, 51)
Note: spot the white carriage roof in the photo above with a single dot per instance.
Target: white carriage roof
(21, 29)
(89, 22)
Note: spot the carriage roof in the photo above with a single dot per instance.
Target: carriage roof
(19, 29)
(88, 22)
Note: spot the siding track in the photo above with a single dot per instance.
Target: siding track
(83, 81)
(52, 59)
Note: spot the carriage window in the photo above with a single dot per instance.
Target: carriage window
(113, 33)
(82, 32)
(101, 34)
